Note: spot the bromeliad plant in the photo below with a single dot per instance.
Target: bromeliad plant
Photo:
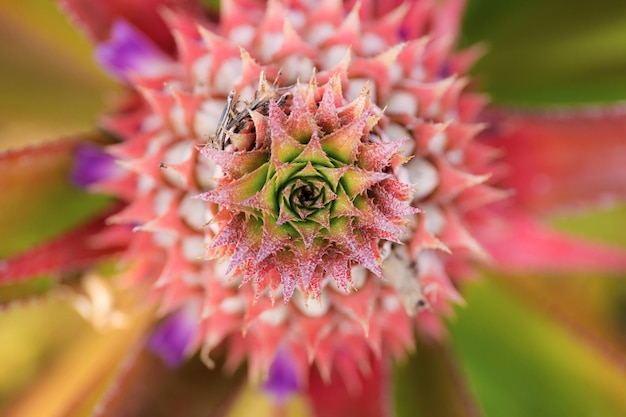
(309, 224)
(313, 189)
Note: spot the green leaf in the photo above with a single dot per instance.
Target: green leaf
(37, 200)
(520, 363)
(25, 291)
(430, 383)
(70, 379)
(50, 85)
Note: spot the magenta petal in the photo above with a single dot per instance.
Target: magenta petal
(172, 337)
(518, 242)
(563, 160)
(92, 165)
(128, 51)
(96, 17)
(282, 380)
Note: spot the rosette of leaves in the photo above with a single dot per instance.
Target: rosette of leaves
(308, 189)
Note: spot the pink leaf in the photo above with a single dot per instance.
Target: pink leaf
(563, 160)
(516, 241)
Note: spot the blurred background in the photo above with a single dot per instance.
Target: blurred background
(528, 346)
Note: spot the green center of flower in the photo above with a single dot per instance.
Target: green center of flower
(307, 186)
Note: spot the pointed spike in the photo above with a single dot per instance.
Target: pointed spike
(349, 32)
(313, 152)
(356, 181)
(343, 144)
(251, 70)
(236, 164)
(237, 191)
(453, 181)
(377, 156)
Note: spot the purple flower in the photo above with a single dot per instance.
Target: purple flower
(129, 51)
(282, 380)
(92, 165)
(171, 338)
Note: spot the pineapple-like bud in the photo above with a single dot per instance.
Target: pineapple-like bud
(305, 185)
(308, 189)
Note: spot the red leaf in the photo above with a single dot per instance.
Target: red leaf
(73, 251)
(335, 400)
(11, 158)
(563, 160)
(96, 16)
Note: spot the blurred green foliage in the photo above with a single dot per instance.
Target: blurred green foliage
(545, 52)
(50, 85)
(523, 364)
